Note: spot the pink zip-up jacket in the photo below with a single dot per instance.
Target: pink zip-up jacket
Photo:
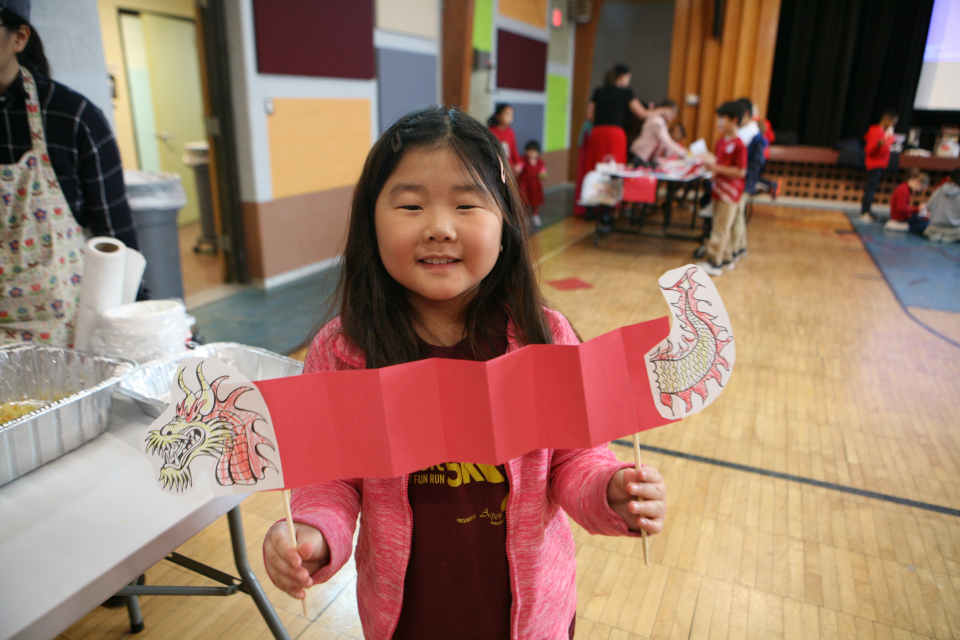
(543, 485)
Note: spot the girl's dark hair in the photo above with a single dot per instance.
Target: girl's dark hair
(533, 144)
(32, 55)
(495, 118)
(374, 310)
(668, 103)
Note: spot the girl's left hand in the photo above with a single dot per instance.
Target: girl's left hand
(640, 501)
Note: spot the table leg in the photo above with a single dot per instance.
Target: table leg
(668, 204)
(133, 611)
(249, 578)
(696, 204)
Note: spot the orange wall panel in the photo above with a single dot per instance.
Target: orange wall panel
(317, 144)
(691, 71)
(766, 46)
(533, 12)
(728, 53)
(739, 64)
(747, 50)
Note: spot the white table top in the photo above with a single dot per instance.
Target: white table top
(77, 530)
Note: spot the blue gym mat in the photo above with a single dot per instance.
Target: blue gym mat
(278, 320)
(921, 273)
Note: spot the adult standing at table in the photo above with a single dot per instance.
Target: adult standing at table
(60, 172)
(608, 110)
(607, 113)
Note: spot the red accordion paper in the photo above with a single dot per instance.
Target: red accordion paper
(392, 421)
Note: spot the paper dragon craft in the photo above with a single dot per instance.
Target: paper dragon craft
(388, 422)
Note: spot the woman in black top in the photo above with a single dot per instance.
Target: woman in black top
(608, 110)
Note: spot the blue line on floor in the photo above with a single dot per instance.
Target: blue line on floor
(936, 508)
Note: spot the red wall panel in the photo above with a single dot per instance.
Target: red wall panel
(521, 62)
(327, 38)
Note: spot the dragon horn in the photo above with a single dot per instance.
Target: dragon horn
(190, 397)
(206, 393)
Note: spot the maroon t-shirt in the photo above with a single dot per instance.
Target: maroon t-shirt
(458, 579)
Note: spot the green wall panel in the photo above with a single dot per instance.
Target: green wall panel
(483, 25)
(558, 91)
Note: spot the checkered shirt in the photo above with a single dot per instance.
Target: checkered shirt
(82, 150)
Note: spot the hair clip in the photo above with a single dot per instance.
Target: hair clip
(397, 142)
(503, 176)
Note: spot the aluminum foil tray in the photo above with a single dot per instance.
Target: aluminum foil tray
(77, 389)
(150, 386)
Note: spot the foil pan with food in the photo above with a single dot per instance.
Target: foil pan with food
(52, 401)
(150, 386)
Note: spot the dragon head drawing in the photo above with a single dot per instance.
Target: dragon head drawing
(206, 425)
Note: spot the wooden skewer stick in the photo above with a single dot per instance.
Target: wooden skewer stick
(293, 535)
(643, 534)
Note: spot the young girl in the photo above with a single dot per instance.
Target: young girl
(530, 178)
(436, 265)
(501, 125)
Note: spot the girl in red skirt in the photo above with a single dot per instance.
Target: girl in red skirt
(608, 112)
(532, 173)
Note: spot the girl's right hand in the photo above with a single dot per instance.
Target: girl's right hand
(290, 569)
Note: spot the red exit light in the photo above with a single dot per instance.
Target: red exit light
(556, 18)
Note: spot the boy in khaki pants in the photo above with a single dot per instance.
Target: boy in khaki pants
(729, 167)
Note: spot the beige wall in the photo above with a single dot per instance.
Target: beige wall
(113, 52)
(416, 17)
(289, 234)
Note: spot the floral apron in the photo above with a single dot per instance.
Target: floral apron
(41, 245)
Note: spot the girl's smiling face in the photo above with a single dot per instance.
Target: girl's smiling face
(438, 232)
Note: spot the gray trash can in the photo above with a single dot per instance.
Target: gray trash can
(197, 157)
(155, 200)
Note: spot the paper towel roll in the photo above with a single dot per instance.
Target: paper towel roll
(133, 267)
(111, 273)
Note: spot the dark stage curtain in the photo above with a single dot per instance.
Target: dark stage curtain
(840, 64)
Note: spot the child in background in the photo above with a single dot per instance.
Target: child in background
(944, 209)
(877, 143)
(904, 216)
(758, 146)
(437, 265)
(678, 133)
(501, 124)
(654, 141)
(766, 129)
(729, 166)
(753, 140)
(532, 173)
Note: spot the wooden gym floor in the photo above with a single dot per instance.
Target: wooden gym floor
(771, 531)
